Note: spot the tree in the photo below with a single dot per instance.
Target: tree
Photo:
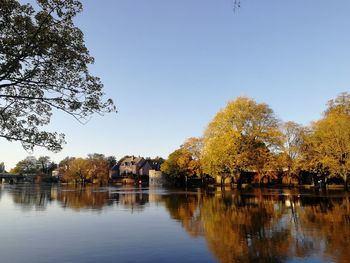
(2, 167)
(99, 171)
(182, 163)
(98, 167)
(328, 146)
(44, 67)
(175, 165)
(236, 138)
(27, 166)
(220, 155)
(293, 141)
(156, 162)
(93, 169)
(46, 165)
(96, 156)
(194, 147)
(111, 161)
(77, 170)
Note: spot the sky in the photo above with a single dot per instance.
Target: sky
(171, 65)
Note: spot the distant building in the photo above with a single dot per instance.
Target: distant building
(58, 172)
(131, 165)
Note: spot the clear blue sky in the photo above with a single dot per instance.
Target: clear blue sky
(171, 65)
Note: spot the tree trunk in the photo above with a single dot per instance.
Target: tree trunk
(289, 179)
(239, 181)
(346, 181)
(324, 182)
(232, 181)
(260, 179)
(261, 184)
(315, 181)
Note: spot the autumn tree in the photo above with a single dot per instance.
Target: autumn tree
(292, 147)
(238, 139)
(184, 162)
(328, 145)
(76, 170)
(87, 198)
(176, 164)
(98, 168)
(194, 147)
(93, 169)
(44, 67)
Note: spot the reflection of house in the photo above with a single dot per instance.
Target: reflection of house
(156, 177)
(56, 173)
(131, 165)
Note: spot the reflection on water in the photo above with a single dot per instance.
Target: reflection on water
(254, 226)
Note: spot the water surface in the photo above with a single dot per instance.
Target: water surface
(154, 224)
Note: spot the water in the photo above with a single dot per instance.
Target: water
(110, 224)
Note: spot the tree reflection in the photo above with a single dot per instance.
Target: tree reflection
(328, 221)
(240, 229)
(185, 207)
(97, 198)
(82, 198)
(77, 198)
(252, 226)
(32, 196)
(265, 227)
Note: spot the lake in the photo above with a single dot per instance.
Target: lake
(154, 224)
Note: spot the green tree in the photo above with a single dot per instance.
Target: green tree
(156, 162)
(2, 167)
(46, 165)
(238, 139)
(44, 67)
(111, 161)
(96, 156)
(27, 166)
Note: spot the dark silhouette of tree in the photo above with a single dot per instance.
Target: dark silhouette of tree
(44, 67)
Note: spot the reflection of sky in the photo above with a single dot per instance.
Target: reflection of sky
(112, 235)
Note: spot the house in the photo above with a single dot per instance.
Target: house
(131, 165)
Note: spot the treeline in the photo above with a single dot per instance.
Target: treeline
(93, 169)
(34, 166)
(247, 137)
